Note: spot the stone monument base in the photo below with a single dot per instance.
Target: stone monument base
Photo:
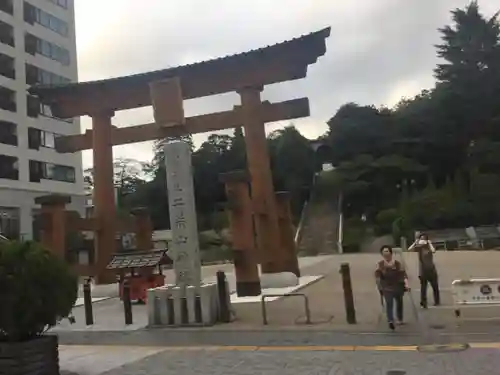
(278, 280)
(166, 307)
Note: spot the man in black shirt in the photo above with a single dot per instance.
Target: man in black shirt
(427, 269)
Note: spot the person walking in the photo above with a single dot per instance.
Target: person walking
(392, 283)
(427, 269)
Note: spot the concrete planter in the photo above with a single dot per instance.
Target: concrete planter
(37, 356)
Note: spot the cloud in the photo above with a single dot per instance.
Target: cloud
(378, 50)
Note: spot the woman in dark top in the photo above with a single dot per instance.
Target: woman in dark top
(392, 282)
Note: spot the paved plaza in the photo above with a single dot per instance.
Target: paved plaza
(326, 298)
(287, 345)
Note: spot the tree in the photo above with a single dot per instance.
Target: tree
(470, 74)
(129, 175)
(432, 160)
(356, 130)
(158, 161)
(293, 164)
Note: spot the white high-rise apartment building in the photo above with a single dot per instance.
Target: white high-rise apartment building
(37, 45)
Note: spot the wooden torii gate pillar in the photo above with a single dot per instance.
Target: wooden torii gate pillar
(104, 194)
(245, 73)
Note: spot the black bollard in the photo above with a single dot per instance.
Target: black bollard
(170, 311)
(127, 303)
(87, 303)
(224, 313)
(197, 310)
(350, 311)
(184, 311)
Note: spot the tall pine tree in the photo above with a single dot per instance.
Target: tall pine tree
(470, 73)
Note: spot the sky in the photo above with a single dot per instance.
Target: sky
(379, 51)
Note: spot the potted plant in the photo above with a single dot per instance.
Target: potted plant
(37, 289)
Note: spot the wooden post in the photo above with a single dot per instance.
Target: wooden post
(54, 222)
(271, 256)
(240, 219)
(104, 194)
(143, 229)
(286, 231)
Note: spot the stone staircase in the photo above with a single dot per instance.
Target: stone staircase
(319, 228)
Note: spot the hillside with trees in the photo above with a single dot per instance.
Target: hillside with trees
(144, 184)
(432, 161)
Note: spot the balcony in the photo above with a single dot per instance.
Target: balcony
(9, 168)
(7, 66)
(40, 138)
(39, 170)
(7, 6)
(8, 99)
(31, 74)
(32, 106)
(30, 43)
(6, 34)
(8, 133)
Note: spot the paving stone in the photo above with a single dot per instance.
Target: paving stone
(94, 360)
(477, 362)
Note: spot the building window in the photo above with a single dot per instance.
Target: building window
(7, 66)
(47, 112)
(33, 15)
(10, 222)
(33, 45)
(6, 34)
(9, 167)
(7, 6)
(40, 138)
(36, 75)
(48, 171)
(8, 133)
(61, 3)
(8, 99)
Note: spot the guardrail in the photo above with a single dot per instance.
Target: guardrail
(303, 214)
(306, 305)
(300, 227)
(340, 235)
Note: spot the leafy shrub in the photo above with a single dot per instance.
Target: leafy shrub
(355, 232)
(384, 221)
(37, 289)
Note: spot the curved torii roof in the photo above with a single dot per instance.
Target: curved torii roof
(272, 64)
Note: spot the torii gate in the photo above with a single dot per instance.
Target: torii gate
(246, 73)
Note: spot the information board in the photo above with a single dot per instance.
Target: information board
(476, 292)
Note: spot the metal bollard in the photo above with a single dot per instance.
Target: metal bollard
(350, 311)
(224, 313)
(197, 310)
(184, 311)
(170, 310)
(404, 244)
(127, 303)
(87, 303)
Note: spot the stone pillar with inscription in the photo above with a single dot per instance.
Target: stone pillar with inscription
(185, 251)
